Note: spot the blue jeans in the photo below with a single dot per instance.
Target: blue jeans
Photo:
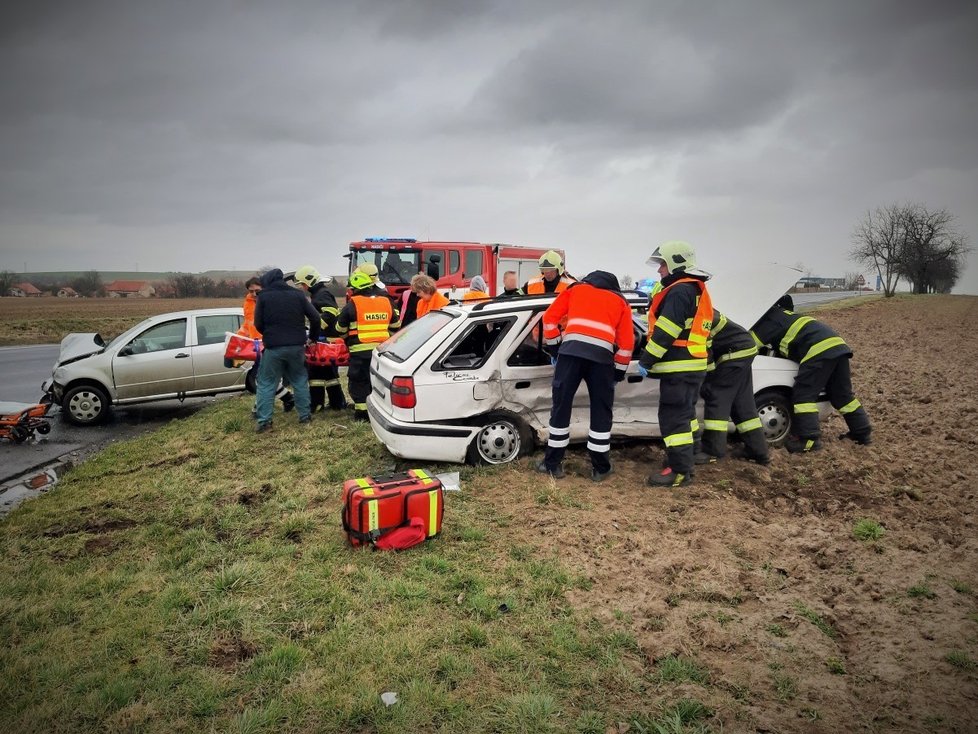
(276, 363)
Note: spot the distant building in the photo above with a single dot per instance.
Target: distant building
(810, 281)
(130, 289)
(67, 292)
(25, 290)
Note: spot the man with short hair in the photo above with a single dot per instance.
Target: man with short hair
(280, 316)
(510, 285)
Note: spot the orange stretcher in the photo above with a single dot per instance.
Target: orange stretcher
(18, 421)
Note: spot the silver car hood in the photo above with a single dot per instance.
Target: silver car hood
(76, 346)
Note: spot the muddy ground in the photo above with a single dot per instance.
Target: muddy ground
(755, 574)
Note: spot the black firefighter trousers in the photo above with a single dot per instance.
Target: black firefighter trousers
(833, 376)
(325, 381)
(678, 393)
(728, 393)
(600, 380)
(358, 375)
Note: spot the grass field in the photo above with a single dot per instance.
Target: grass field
(197, 579)
(48, 320)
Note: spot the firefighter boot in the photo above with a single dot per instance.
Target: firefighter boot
(668, 478)
(288, 402)
(796, 445)
(862, 439)
(557, 473)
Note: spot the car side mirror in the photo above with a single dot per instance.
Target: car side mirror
(126, 351)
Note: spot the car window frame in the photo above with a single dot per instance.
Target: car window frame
(139, 336)
(438, 365)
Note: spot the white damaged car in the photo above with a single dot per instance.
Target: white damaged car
(473, 382)
(173, 355)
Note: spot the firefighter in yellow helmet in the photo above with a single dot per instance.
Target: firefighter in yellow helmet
(680, 318)
(323, 380)
(552, 278)
(368, 319)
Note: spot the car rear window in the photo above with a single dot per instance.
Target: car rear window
(408, 340)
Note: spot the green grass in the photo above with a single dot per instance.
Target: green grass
(866, 529)
(197, 579)
(961, 660)
(816, 619)
(921, 591)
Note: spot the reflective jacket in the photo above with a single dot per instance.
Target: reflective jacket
(367, 319)
(728, 341)
(324, 302)
(248, 325)
(539, 285)
(799, 338)
(599, 323)
(680, 318)
(434, 303)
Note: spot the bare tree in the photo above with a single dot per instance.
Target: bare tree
(89, 284)
(877, 242)
(7, 280)
(850, 281)
(627, 283)
(933, 251)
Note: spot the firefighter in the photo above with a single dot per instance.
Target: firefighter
(367, 319)
(323, 380)
(728, 392)
(680, 318)
(596, 347)
(823, 364)
(552, 277)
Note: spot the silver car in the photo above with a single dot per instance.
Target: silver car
(173, 355)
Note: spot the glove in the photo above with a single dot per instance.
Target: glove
(553, 361)
(642, 371)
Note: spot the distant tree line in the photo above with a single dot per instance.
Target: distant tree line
(186, 285)
(913, 243)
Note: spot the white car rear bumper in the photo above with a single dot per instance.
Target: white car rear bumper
(423, 441)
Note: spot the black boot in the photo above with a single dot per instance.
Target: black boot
(288, 402)
(796, 445)
(668, 478)
(862, 439)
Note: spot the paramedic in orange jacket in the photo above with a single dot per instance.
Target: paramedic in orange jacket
(552, 278)
(680, 319)
(596, 347)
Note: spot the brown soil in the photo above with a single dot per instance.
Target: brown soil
(737, 570)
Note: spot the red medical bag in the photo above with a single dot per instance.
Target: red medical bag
(242, 347)
(374, 506)
(327, 354)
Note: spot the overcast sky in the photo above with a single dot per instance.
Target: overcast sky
(213, 134)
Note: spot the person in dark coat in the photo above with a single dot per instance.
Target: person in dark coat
(280, 315)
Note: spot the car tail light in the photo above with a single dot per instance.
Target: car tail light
(402, 392)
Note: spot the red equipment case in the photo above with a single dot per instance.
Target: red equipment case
(327, 354)
(373, 506)
(242, 347)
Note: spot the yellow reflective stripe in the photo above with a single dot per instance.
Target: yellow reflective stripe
(362, 347)
(330, 310)
(331, 383)
(340, 329)
(359, 406)
(432, 512)
(680, 365)
(739, 354)
(373, 521)
(710, 425)
(832, 341)
(362, 481)
(694, 425)
(757, 340)
(792, 333)
(671, 328)
(422, 475)
(849, 407)
(749, 425)
(720, 324)
(806, 408)
(678, 439)
(656, 350)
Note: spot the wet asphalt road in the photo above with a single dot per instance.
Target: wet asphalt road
(23, 369)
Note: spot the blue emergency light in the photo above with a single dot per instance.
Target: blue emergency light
(389, 239)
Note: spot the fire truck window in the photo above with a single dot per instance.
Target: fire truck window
(454, 262)
(473, 263)
(434, 261)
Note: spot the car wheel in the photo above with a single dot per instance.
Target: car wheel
(251, 381)
(501, 439)
(44, 429)
(85, 405)
(774, 410)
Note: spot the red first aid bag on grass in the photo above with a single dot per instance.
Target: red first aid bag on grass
(406, 536)
(327, 354)
(242, 347)
(375, 506)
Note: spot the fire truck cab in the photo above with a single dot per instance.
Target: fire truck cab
(451, 264)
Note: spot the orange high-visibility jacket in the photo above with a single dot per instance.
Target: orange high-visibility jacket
(434, 304)
(599, 325)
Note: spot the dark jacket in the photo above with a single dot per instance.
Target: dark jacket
(676, 311)
(729, 341)
(797, 337)
(325, 303)
(281, 313)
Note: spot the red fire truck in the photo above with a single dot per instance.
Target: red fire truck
(451, 264)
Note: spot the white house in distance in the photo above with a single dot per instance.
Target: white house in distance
(130, 289)
(25, 290)
(67, 292)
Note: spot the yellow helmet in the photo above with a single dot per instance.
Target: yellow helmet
(359, 281)
(307, 275)
(552, 259)
(368, 268)
(677, 255)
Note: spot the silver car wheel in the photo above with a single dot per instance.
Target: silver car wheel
(85, 405)
(774, 410)
(498, 442)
